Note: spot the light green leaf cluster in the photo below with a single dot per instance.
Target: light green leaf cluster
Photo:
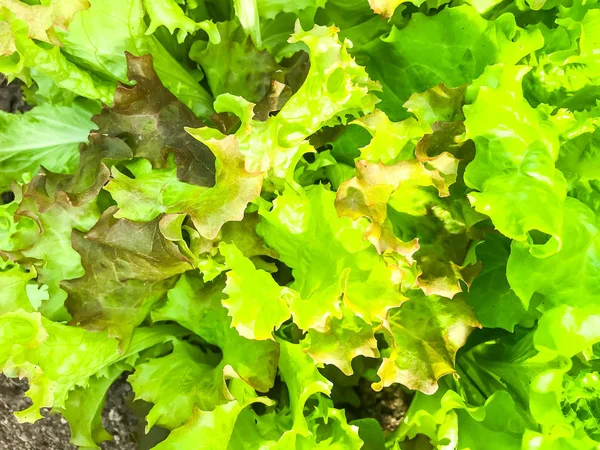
(272, 215)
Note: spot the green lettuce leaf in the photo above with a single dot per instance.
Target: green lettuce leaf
(304, 417)
(88, 43)
(138, 198)
(514, 166)
(368, 194)
(208, 429)
(13, 289)
(235, 65)
(447, 420)
(51, 63)
(438, 104)
(15, 233)
(56, 358)
(392, 141)
(346, 339)
(151, 120)
(178, 383)
(256, 304)
(445, 228)
(329, 431)
(170, 15)
(306, 200)
(83, 408)
(566, 72)
(129, 267)
(356, 20)
(302, 379)
(197, 306)
(328, 258)
(48, 135)
(574, 268)
(335, 89)
(452, 47)
(424, 335)
(304, 9)
(340, 85)
(56, 214)
(45, 19)
(493, 301)
(566, 331)
(209, 208)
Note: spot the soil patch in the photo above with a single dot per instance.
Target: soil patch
(387, 406)
(53, 432)
(11, 98)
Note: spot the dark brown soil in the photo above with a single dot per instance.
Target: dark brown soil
(52, 432)
(11, 99)
(388, 406)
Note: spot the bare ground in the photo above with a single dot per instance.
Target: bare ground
(52, 432)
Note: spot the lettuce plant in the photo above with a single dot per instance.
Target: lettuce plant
(253, 207)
